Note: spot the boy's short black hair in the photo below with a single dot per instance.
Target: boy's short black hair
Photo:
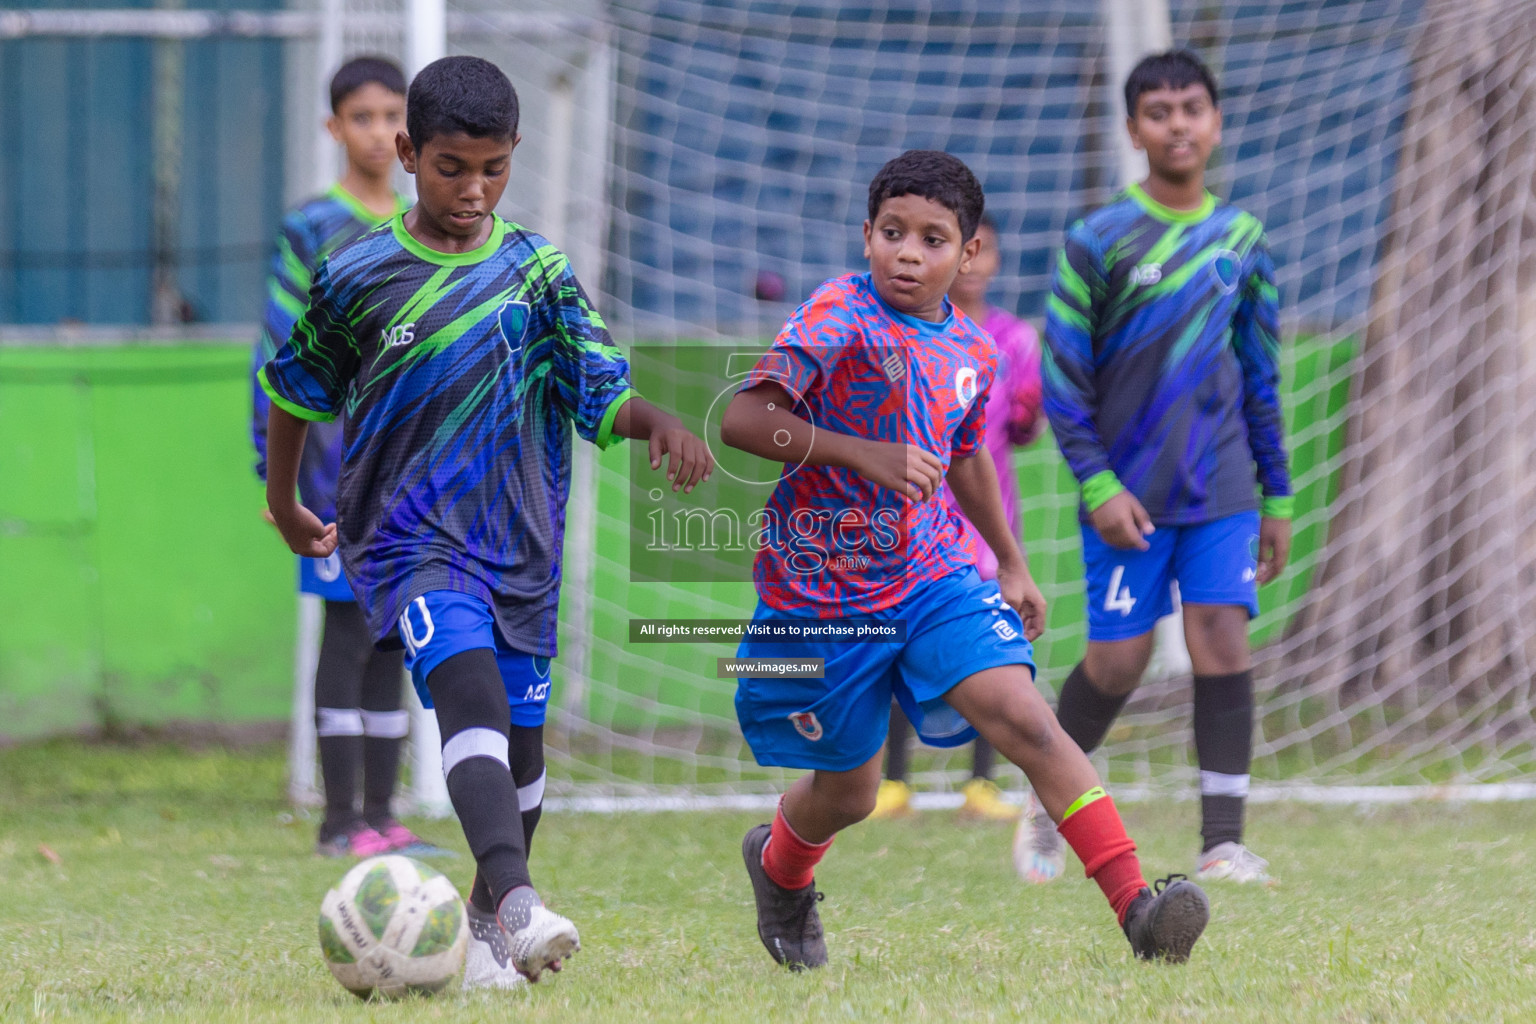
(358, 72)
(1175, 69)
(933, 175)
(460, 94)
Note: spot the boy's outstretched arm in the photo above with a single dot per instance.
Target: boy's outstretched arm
(760, 420)
(1071, 397)
(1256, 341)
(300, 527)
(688, 457)
(973, 480)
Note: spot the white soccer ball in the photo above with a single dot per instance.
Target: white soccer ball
(393, 926)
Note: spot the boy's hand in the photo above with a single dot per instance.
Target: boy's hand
(303, 532)
(1274, 548)
(1019, 590)
(904, 468)
(1122, 522)
(688, 457)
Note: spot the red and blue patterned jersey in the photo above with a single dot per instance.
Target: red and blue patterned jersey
(833, 543)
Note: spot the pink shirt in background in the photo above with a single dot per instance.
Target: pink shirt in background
(1013, 418)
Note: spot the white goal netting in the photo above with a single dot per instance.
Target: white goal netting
(1388, 147)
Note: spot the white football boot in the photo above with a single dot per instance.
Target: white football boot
(1231, 862)
(538, 939)
(1039, 852)
(488, 962)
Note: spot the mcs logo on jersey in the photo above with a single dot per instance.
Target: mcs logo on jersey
(806, 724)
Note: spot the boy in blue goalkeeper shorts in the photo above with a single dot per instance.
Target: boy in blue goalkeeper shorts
(358, 717)
(1162, 386)
(464, 353)
(873, 395)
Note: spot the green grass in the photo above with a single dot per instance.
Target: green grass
(186, 892)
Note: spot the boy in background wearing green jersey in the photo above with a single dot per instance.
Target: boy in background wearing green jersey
(358, 718)
(1161, 377)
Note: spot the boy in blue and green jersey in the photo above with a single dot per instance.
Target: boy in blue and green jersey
(463, 351)
(358, 718)
(1162, 387)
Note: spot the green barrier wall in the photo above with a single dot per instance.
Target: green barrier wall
(138, 583)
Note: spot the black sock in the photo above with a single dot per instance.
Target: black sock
(1085, 713)
(982, 759)
(339, 757)
(525, 749)
(344, 648)
(480, 895)
(385, 726)
(1224, 746)
(897, 755)
(472, 716)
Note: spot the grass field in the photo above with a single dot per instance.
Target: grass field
(182, 890)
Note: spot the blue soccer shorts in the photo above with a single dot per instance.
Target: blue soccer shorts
(1213, 563)
(324, 577)
(442, 623)
(955, 627)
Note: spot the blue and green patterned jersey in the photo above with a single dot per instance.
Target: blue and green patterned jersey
(460, 377)
(309, 233)
(1161, 366)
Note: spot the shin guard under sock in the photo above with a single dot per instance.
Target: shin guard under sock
(1223, 722)
(789, 860)
(1093, 829)
(525, 749)
(344, 648)
(472, 715)
(1084, 712)
(385, 727)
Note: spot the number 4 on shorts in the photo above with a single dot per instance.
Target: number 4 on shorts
(1119, 598)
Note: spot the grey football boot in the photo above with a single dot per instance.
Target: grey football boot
(787, 920)
(1164, 922)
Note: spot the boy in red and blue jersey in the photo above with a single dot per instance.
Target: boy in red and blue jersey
(873, 395)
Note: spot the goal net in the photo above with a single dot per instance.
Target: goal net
(1388, 147)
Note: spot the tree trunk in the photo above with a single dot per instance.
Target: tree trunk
(1420, 625)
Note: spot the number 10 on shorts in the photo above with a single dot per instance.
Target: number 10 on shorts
(1119, 598)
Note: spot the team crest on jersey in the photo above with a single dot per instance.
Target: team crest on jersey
(806, 724)
(1226, 265)
(512, 319)
(965, 386)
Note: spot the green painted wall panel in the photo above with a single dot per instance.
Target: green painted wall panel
(138, 583)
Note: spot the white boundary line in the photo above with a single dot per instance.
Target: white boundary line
(1485, 792)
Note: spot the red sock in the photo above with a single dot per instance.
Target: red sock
(1095, 833)
(789, 860)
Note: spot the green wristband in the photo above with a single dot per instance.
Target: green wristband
(1282, 506)
(1100, 487)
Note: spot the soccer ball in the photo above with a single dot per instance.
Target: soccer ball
(393, 926)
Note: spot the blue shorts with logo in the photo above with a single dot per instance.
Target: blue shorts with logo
(442, 623)
(955, 627)
(324, 577)
(1213, 563)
